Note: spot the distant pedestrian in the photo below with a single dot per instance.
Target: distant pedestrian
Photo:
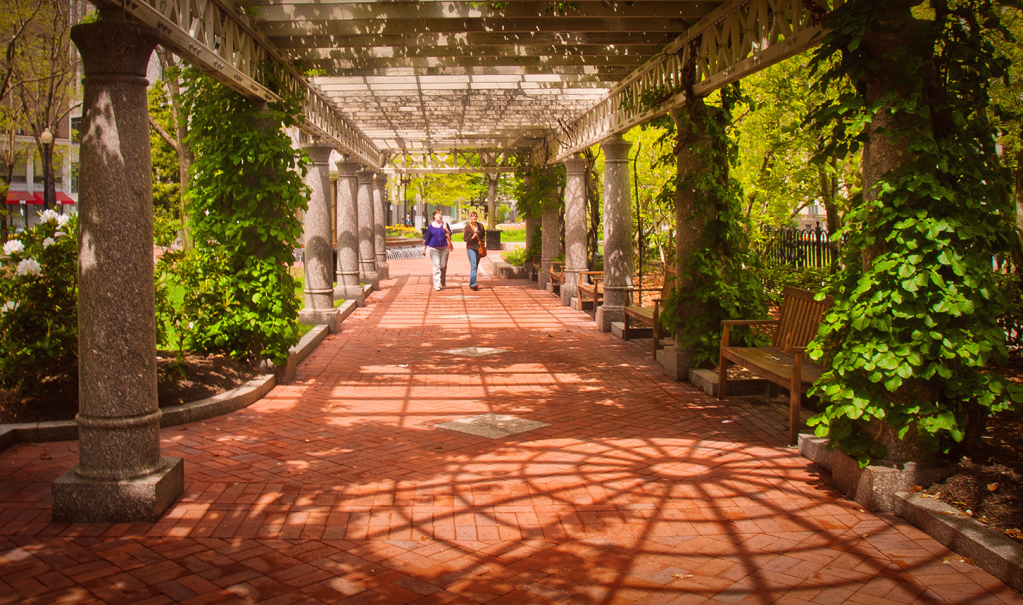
(475, 237)
(444, 269)
(408, 220)
(437, 244)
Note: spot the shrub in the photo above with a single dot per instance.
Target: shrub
(403, 231)
(516, 257)
(39, 307)
(245, 191)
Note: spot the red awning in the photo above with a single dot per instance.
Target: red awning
(62, 198)
(14, 197)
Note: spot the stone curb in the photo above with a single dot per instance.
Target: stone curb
(993, 552)
(504, 270)
(204, 409)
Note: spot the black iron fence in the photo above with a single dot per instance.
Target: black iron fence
(799, 248)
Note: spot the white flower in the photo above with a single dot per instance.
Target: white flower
(62, 219)
(14, 247)
(8, 306)
(59, 234)
(29, 266)
(48, 215)
(48, 242)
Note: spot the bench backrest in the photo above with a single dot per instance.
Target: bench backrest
(800, 317)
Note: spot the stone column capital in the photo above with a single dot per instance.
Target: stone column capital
(616, 149)
(575, 164)
(380, 179)
(318, 152)
(365, 176)
(348, 169)
(114, 47)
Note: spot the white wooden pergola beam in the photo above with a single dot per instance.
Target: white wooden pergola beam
(455, 161)
(739, 38)
(219, 39)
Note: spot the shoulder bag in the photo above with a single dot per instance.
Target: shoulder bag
(481, 246)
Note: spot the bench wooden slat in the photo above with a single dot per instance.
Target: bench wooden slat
(649, 315)
(770, 361)
(783, 363)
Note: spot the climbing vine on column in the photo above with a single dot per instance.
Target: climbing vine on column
(245, 191)
(714, 280)
(913, 329)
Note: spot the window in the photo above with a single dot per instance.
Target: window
(76, 130)
(74, 177)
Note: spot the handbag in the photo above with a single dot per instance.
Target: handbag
(481, 246)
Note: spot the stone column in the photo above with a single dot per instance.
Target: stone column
(380, 224)
(319, 287)
(348, 286)
(688, 231)
(618, 253)
(120, 476)
(575, 227)
(367, 251)
(550, 243)
(491, 201)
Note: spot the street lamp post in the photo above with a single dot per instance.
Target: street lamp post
(405, 180)
(49, 195)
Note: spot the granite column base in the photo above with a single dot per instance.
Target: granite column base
(142, 500)
(606, 315)
(320, 317)
(350, 293)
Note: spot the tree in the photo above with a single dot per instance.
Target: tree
(17, 22)
(49, 70)
(169, 120)
(650, 171)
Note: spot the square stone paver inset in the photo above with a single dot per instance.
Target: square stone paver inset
(475, 351)
(494, 426)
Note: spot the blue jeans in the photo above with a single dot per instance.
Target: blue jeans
(474, 262)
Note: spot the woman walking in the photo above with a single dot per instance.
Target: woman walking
(473, 235)
(437, 244)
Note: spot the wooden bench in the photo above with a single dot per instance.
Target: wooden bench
(591, 287)
(536, 265)
(648, 315)
(557, 276)
(783, 362)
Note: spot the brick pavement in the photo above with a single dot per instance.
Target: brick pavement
(340, 488)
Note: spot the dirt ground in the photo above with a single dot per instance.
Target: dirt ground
(200, 377)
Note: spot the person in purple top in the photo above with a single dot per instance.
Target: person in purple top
(437, 244)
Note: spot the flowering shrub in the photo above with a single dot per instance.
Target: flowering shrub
(39, 307)
(403, 231)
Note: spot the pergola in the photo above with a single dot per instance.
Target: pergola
(410, 85)
(401, 87)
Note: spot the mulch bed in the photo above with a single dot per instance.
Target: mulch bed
(198, 378)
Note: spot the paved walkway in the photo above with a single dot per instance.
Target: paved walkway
(342, 487)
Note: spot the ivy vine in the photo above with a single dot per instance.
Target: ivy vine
(715, 282)
(913, 330)
(246, 188)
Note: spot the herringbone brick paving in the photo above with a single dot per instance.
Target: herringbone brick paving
(340, 488)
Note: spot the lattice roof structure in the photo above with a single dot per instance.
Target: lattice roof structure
(396, 82)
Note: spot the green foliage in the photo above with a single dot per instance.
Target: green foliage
(914, 325)
(246, 187)
(516, 257)
(716, 280)
(776, 274)
(403, 231)
(39, 306)
(543, 192)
